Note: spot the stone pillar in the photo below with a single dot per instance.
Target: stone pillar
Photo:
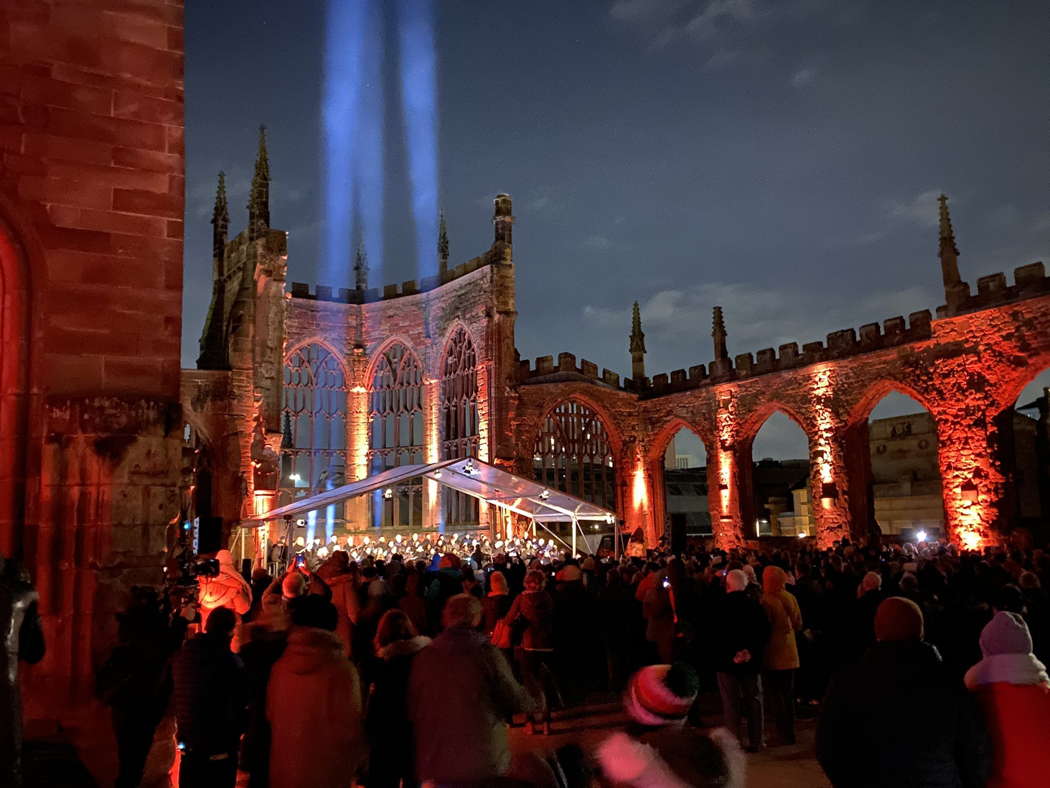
(638, 488)
(972, 481)
(106, 508)
(357, 434)
(829, 485)
(723, 495)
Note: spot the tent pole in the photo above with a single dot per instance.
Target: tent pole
(575, 528)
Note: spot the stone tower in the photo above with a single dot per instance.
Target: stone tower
(637, 345)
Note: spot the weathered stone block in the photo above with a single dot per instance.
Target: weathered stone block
(588, 368)
(566, 362)
(991, 285)
(1030, 274)
(544, 365)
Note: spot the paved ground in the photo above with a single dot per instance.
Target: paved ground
(777, 767)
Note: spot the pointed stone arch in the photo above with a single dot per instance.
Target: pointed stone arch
(575, 452)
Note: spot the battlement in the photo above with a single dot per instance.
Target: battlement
(992, 290)
(542, 370)
(349, 295)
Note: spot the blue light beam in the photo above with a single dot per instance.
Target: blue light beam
(419, 105)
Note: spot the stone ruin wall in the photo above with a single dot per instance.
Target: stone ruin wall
(965, 367)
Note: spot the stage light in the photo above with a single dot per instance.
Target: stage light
(920, 536)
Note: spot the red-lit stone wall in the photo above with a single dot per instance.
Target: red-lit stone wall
(965, 367)
(91, 207)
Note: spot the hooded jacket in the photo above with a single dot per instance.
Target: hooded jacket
(313, 703)
(785, 619)
(898, 719)
(461, 692)
(1014, 691)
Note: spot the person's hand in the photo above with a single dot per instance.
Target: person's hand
(742, 656)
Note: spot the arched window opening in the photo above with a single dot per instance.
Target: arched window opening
(573, 454)
(779, 483)
(685, 485)
(313, 420)
(459, 421)
(903, 480)
(1025, 451)
(395, 414)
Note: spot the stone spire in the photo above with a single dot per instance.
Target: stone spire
(220, 220)
(947, 250)
(360, 268)
(259, 200)
(637, 346)
(718, 331)
(442, 248)
(214, 352)
(503, 219)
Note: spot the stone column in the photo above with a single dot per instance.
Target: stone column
(829, 485)
(972, 481)
(723, 495)
(357, 435)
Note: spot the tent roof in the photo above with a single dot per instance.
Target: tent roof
(473, 477)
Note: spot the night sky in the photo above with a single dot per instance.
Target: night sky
(780, 158)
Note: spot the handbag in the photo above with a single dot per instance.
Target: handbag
(501, 634)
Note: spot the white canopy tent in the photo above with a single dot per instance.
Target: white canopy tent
(495, 486)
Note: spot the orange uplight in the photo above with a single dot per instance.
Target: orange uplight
(639, 493)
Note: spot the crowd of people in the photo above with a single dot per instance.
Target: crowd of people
(923, 663)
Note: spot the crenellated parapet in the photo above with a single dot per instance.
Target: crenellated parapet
(545, 370)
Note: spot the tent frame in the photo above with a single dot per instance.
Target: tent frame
(480, 480)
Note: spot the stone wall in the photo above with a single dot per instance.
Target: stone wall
(967, 368)
(91, 210)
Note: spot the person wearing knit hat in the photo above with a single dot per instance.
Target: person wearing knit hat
(897, 717)
(658, 750)
(1013, 689)
(660, 695)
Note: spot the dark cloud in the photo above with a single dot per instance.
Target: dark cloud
(781, 159)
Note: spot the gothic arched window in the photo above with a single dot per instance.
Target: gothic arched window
(314, 419)
(573, 454)
(395, 414)
(459, 420)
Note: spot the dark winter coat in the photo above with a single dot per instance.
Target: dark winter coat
(211, 695)
(741, 624)
(386, 723)
(533, 612)
(493, 608)
(896, 718)
(461, 692)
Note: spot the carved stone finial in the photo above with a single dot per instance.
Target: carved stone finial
(948, 253)
(637, 344)
(442, 246)
(259, 199)
(718, 332)
(503, 219)
(220, 219)
(361, 268)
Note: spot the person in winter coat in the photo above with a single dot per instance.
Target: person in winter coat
(658, 749)
(897, 718)
(862, 615)
(313, 703)
(210, 700)
(392, 761)
(739, 637)
(343, 580)
(781, 654)
(497, 603)
(1014, 692)
(460, 694)
(532, 613)
(412, 603)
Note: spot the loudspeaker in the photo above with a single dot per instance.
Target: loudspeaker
(678, 520)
